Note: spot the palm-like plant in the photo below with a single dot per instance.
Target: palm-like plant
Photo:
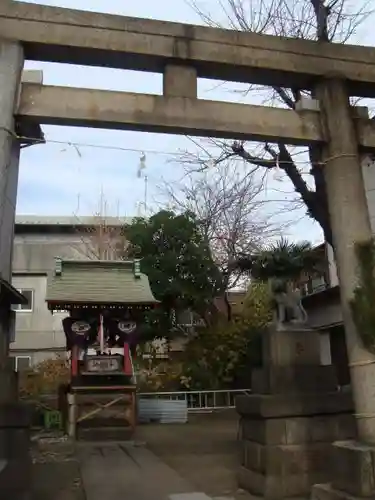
(283, 260)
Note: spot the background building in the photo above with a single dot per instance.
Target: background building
(38, 240)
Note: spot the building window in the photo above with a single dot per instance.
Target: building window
(28, 307)
(22, 363)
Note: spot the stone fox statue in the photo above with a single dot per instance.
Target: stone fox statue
(287, 304)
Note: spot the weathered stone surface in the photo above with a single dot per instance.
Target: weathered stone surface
(15, 477)
(283, 460)
(276, 487)
(175, 115)
(291, 347)
(332, 427)
(289, 379)
(288, 431)
(15, 415)
(141, 44)
(271, 431)
(326, 492)
(180, 81)
(189, 496)
(353, 468)
(295, 453)
(284, 457)
(8, 384)
(286, 405)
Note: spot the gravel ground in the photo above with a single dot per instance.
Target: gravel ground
(56, 473)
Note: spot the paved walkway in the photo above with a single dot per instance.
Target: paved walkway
(128, 471)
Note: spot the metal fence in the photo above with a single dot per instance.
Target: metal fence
(162, 407)
(199, 401)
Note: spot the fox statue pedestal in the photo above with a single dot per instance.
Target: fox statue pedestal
(295, 413)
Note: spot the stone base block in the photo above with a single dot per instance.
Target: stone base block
(287, 441)
(8, 385)
(294, 379)
(287, 405)
(283, 471)
(285, 460)
(285, 457)
(352, 473)
(291, 347)
(15, 473)
(326, 492)
(275, 487)
(353, 468)
(298, 430)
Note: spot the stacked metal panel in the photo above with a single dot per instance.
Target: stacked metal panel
(163, 411)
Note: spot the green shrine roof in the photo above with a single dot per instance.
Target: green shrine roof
(100, 283)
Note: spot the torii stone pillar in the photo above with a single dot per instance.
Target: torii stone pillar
(353, 469)
(11, 65)
(15, 462)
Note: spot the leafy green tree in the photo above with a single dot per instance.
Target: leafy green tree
(222, 356)
(257, 310)
(282, 260)
(179, 265)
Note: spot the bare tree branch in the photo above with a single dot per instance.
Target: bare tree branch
(231, 209)
(103, 238)
(325, 21)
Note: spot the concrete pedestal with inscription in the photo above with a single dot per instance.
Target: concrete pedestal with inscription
(292, 418)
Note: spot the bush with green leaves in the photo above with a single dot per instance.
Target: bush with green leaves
(223, 355)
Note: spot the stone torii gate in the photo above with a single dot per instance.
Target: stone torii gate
(183, 53)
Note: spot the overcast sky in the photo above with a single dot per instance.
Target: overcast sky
(59, 179)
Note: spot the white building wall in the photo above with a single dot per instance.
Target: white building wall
(35, 253)
(36, 329)
(39, 333)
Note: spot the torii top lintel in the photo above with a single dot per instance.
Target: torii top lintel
(87, 38)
